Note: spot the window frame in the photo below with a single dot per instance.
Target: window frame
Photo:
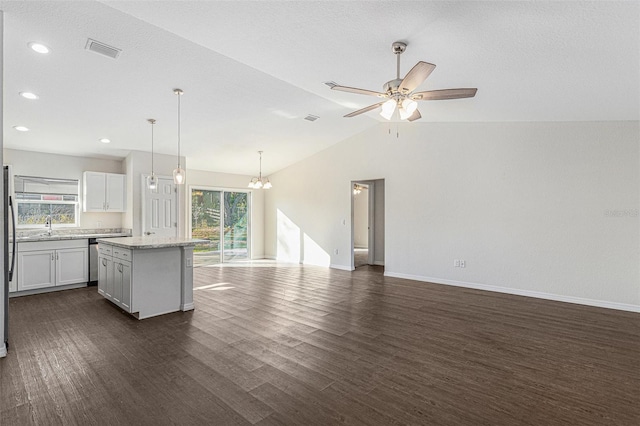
(76, 204)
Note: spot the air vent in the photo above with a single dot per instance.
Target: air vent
(103, 49)
(311, 117)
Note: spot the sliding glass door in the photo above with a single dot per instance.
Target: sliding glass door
(222, 218)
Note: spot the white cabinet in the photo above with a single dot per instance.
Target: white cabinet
(52, 263)
(104, 266)
(103, 192)
(71, 265)
(36, 269)
(122, 283)
(114, 276)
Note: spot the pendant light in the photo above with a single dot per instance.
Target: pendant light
(179, 175)
(258, 182)
(152, 181)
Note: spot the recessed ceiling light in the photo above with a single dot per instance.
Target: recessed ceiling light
(38, 47)
(105, 140)
(29, 95)
(21, 128)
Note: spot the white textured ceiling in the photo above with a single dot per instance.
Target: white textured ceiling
(251, 71)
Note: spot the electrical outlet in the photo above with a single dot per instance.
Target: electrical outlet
(462, 264)
(335, 251)
(456, 263)
(98, 224)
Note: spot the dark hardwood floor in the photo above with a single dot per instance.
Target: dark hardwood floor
(293, 345)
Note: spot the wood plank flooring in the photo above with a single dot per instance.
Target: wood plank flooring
(289, 345)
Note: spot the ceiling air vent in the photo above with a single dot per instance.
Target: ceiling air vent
(103, 49)
(311, 117)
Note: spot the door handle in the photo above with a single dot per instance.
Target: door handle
(104, 262)
(107, 206)
(149, 233)
(15, 249)
(52, 256)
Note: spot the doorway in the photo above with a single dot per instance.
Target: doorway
(367, 223)
(222, 218)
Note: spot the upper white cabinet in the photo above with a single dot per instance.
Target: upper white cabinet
(104, 192)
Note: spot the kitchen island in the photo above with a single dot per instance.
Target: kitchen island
(147, 276)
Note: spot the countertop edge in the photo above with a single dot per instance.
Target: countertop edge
(149, 244)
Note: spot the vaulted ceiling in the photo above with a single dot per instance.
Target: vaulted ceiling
(251, 71)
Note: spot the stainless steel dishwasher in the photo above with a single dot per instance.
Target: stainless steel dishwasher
(93, 261)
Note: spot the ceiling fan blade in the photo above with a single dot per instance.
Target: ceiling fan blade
(363, 110)
(359, 91)
(436, 95)
(416, 76)
(415, 116)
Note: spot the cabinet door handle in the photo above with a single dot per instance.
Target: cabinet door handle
(104, 205)
(119, 267)
(52, 257)
(57, 256)
(104, 262)
(107, 206)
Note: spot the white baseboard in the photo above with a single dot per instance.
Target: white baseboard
(378, 263)
(3, 351)
(341, 267)
(188, 307)
(518, 292)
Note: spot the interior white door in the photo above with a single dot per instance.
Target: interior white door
(160, 209)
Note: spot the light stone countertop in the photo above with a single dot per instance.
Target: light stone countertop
(57, 237)
(151, 242)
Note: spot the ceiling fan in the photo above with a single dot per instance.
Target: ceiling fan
(399, 93)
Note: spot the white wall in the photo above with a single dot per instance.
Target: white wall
(228, 181)
(361, 218)
(543, 209)
(31, 163)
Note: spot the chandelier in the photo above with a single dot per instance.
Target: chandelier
(260, 182)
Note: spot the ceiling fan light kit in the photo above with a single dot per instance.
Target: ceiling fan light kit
(400, 93)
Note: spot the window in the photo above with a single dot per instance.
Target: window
(40, 197)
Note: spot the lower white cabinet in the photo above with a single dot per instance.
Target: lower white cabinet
(36, 269)
(114, 276)
(52, 263)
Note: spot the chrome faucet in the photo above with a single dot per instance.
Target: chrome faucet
(49, 223)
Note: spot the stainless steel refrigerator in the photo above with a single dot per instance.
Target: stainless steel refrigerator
(9, 264)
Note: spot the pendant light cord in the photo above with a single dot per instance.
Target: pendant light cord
(179, 93)
(152, 124)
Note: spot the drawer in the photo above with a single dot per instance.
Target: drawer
(105, 250)
(51, 245)
(122, 253)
